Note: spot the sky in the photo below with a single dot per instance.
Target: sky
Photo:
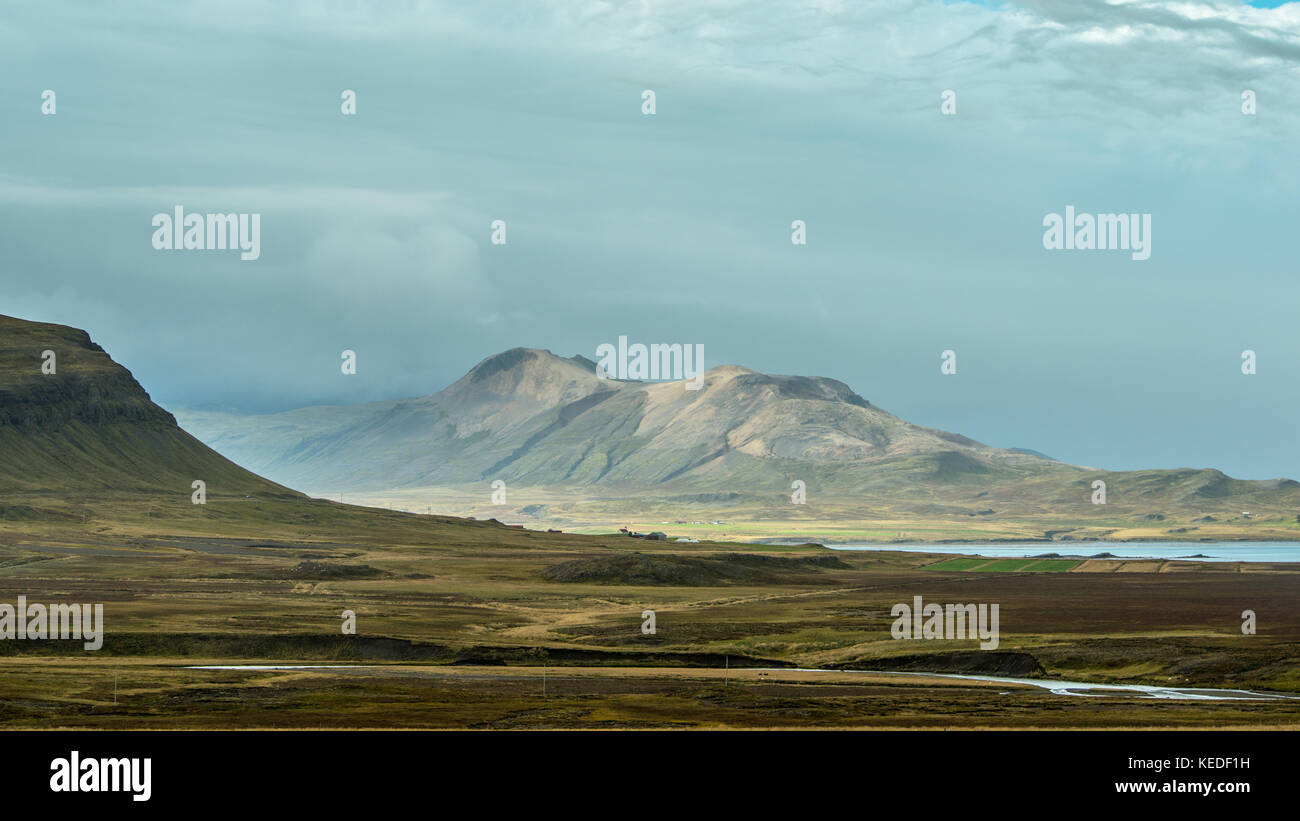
(924, 229)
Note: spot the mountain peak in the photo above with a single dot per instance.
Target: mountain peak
(529, 374)
(526, 359)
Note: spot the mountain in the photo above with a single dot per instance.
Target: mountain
(597, 451)
(89, 463)
(88, 426)
(83, 438)
(533, 418)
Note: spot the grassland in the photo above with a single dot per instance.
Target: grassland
(1165, 506)
(458, 623)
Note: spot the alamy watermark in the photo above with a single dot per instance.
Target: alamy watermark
(77, 774)
(54, 621)
(655, 362)
(954, 622)
(1099, 232)
(179, 231)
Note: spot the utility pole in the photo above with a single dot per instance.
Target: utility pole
(543, 679)
(726, 674)
(115, 688)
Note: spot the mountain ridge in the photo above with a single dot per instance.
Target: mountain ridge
(528, 415)
(598, 451)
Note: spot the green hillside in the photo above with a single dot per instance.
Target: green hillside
(89, 427)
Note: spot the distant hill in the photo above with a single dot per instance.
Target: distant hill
(529, 417)
(90, 427)
(603, 450)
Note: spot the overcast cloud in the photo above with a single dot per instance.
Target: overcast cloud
(924, 230)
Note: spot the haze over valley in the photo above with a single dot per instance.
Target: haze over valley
(576, 449)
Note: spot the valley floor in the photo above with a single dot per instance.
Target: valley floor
(166, 694)
(462, 625)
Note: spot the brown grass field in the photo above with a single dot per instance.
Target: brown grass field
(462, 625)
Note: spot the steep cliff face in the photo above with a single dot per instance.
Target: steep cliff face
(73, 421)
(86, 385)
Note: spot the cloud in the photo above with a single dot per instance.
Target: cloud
(924, 230)
(431, 261)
